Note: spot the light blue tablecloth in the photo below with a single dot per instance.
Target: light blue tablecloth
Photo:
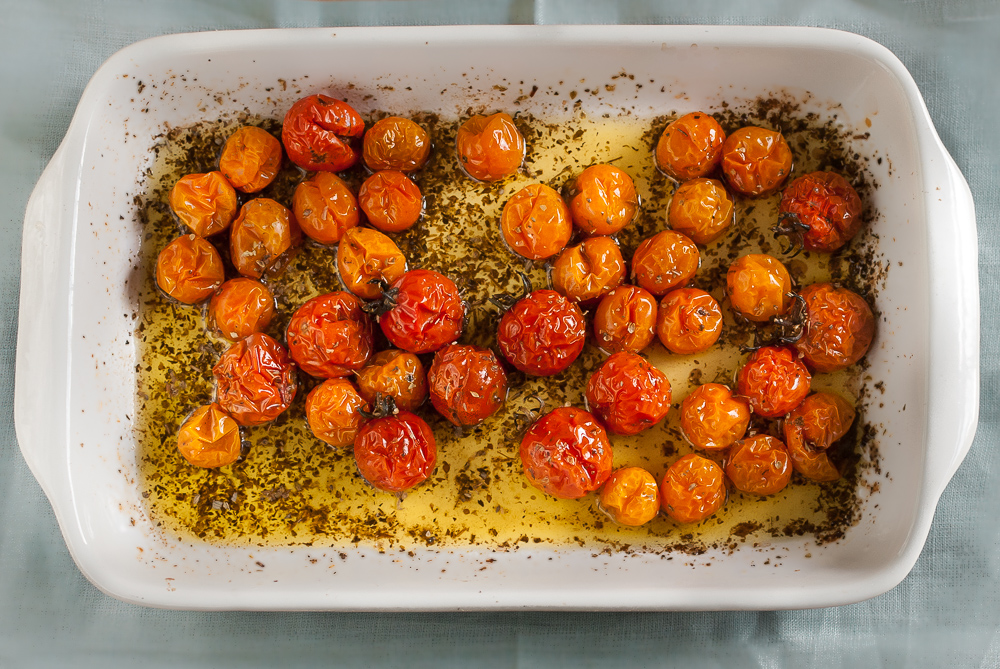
(946, 613)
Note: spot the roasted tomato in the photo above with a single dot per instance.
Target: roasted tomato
(467, 384)
(396, 374)
(630, 497)
(395, 453)
(820, 210)
(542, 334)
(628, 394)
(334, 412)
(205, 203)
(367, 259)
(589, 270)
(329, 336)
(250, 159)
(391, 201)
(325, 208)
(712, 418)
(319, 133)
(262, 234)
(701, 209)
(773, 381)
(536, 222)
(759, 465)
(255, 380)
(693, 489)
(839, 328)
(625, 320)
(396, 143)
(240, 308)
(603, 200)
(566, 453)
(422, 312)
(210, 437)
(189, 269)
(690, 146)
(665, 261)
(811, 428)
(490, 147)
(759, 287)
(756, 161)
(689, 321)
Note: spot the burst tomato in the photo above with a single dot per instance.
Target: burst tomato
(759, 287)
(542, 334)
(210, 438)
(367, 259)
(329, 336)
(759, 465)
(333, 411)
(690, 146)
(566, 453)
(665, 261)
(396, 374)
(189, 269)
(240, 308)
(261, 237)
(395, 143)
(490, 148)
(811, 428)
(320, 133)
(395, 453)
(250, 159)
(630, 497)
(821, 210)
(702, 210)
(467, 384)
(603, 200)
(255, 380)
(756, 161)
(839, 328)
(693, 489)
(589, 270)
(391, 201)
(625, 320)
(713, 419)
(773, 381)
(536, 222)
(424, 312)
(205, 203)
(325, 207)
(689, 321)
(628, 394)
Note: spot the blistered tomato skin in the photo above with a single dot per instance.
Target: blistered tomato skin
(701, 209)
(395, 143)
(262, 234)
(467, 384)
(811, 428)
(209, 438)
(490, 148)
(189, 269)
(325, 208)
(250, 159)
(688, 321)
(396, 452)
(566, 453)
(756, 161)
(329, 336)
(774, 381)
(255, 380)
(690, 146)
(319, 133)
(693, 489)
(759, 465)
(367, 258)
(542, 334)
(712, 419)
(665, 261)
(603, 200)
(826, 206)
(625, 320)
(536, 222)
(759, 287)
(205, 203)
(630, 497)
(391, 201)
(839, 329)
(240, 308)
(396, 374)
(427, 312)
(333, 411)
(589, 270)
(628, 394)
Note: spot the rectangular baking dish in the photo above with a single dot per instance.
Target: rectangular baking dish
(75, 383)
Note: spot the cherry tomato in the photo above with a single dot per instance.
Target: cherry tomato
(542, 334)
(811, 428)
(205, 203)
(250, 159)
(712, 418)
(630, 497)
(366, 258)
(426, 314)
(759, 465)
(773, 381)
(391, 201)
(536, 222)
(189, 269)
(262, 234)
(826, 206)
(690, 146)
(665, 261)
(255, 380)
(839, 328)
(566, 453)
(240, 308)
(329, 336)
(395, 143)
(490, 147)
(689, 321)
(628, 394)
(759, 287)
(333, 410)
(325, 207)
(625, 320)
(209, 438)
(701, 209)
(693, 489)
(603, 200)
(589, 270)
(467, 384)
(396, 374)
(318, 134)
(756, 161)
(396, 452)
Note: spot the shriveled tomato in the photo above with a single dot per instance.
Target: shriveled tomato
(811, 428)
(702, 210)
(467, 384)
(759, 287)
(773, 381)
(325, 207)
(205, 203)
(536, 222)
(189, 269)
(756, 161)
(690, 146)
(566, 453)
(255, 380)
(422, 312)
(366, 259)
(630, 497)
(395, 453)
(839, 327)
(689, 321)
(391, 201)
(542, 334)
(759, 465)
(603, 200)
(590, 270)
(321, 133)
(395, 143)
(693, 489)
(628, 394)
(210, 437)
(712, 418)
(334, 412)
(261, 236)
(250, 159)
(490, 148)
(240, 308)
(396, 374)
(625, 320)
(329, 336)
(665, 261)
(821, 210)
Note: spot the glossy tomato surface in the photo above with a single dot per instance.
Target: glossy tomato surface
(825, 208)
(395, 143)
(205, 203)
(391, 201)
(589, 270)
(260, 237)
(250, 159)
(426, 312)
(467, 384)
(759, 287)
(542, 334)
(490, 148)
(329, 336)
(396, 452)
(367, 259)
(690, 146)
(535, 222)
(625, 320)
(210, 438)
(325, 208)
(712, 418)
(701, 209)
(811, 428)
(603, 200)
(759, 465)
(333, 411)
(396, 374)
(839, 328)
(566, 453)
(693, 489)
(665, 261)
(628, 394)
(630, 497)
(774, 381)
(189, 269)
(255, 380)
(320, 134)
(756, 161)
(688, 321)
(241, 307)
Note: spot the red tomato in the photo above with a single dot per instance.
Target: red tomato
(603, 200)
(590, 270)
(329, 336)
(689, 321)
(759, 287)
(396, 374)
(391, 201)
(395, 143)
(566, 453)
(255, 380)
(625, 320)
(467, 384)
(205, 203)
(333, 410)
(542, 334)
(665, 261)
(630, 497)
(811, 428)
(536, 222)
(490, 148)
(712, 418)
(366, 259)
(426, 312)
(690, 146)
(759, 465)
(319, 133)
(756, 161)
(773, 381)
(261, 237)
(396, 452)
(693, 489)
(839, 328)
(240, 308)
(250, 159)
(210, 438)
(822, 210)
(702, 210)
(325, 207)
(628, 394)
(189, 269)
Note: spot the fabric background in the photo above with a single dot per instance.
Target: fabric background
(946, 613)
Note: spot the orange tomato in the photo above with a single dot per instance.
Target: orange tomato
(689, 321)
(712, 418)
(839, 328)
(536, 222)
(759, 465)
(255, 380)
(333, 411)
(690, 146)
(329, 336)
(756, 161)
(261, 236)
(319, 134)
(467, 384)
(566, 453)
(325, 207)
(811, 428)
(701, 209)
(250, 159)
(759, 287)
(209, 438)
(240, 308)
(189, 269)
(395, 143)
(205, 203)
(391, 201)
(589, 270)
(630, 497)
(773, 381)
(396, 374)
(365, 259)
(625, 320)
(665, 261)
(628, 394)
(693, 489)
(490, 148)
(603, 200)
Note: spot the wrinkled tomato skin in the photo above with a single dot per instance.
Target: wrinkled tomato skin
(333, 411)
(428, 312)
(712, 419)
(536, 222)
(325, 208)
(210, 438)
(396, 452)
(628, 394)
(811, 428)
(759, 465)
(250, 159)
(665, 261)
(759, 287)
(189, 269)
(756, 161)
(702, 210)
(467, 384)
(490, 148)
(693, 489)
(260, 237)
(205, 203)
(774, 381)
(690, 147)
(827, 205)
(542, 334)
(625, 320)
(396, 374)
(688, 321)
(630, 497)
(319, 134)
(329, 336)
(566, 453)
(603, 200)
(365, 258)
(589, 270)
(391, 201)
(255, 380)
(240, 308)
(839, 329)
(395, 143)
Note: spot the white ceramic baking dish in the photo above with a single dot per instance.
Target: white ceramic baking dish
(75, 384)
